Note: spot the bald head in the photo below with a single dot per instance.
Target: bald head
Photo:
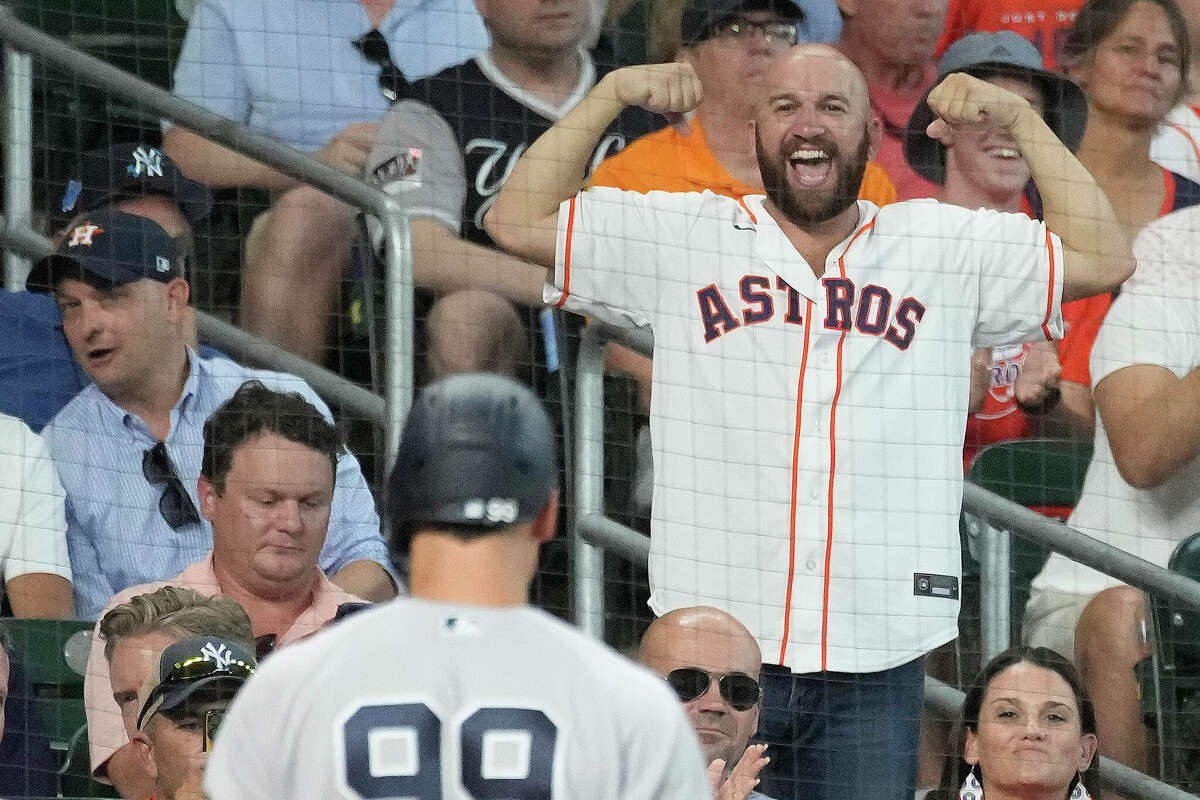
(710, 640)
(808, 68)
(475, 331)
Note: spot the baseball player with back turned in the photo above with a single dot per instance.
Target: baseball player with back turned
(462, 692)
(811, 377)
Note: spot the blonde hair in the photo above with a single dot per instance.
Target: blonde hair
(179, 612)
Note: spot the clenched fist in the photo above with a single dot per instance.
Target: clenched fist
(962, 99)
(661, 88)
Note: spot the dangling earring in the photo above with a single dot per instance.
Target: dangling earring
(1079, 791)
(972, 789)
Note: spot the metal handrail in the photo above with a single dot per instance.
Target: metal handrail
(89, 69)
(231, 339)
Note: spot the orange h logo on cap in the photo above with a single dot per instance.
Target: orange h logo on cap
(83, 234)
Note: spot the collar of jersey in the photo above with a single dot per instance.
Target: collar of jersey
(587, 78)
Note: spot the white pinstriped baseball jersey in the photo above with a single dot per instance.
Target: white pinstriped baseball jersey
(808, 432)
(432, 701)
(1176, 146)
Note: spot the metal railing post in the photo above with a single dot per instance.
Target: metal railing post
(995, 545)
(18, 156)
(399, 311)
(588, 558)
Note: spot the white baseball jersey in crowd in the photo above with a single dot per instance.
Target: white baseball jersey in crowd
(1155, 320)
(808, 432)
(430, 701)
(1176, 146)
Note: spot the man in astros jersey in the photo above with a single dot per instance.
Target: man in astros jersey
(811, 380)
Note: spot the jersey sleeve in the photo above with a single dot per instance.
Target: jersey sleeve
(246, 764)
(610, 252)
(1020, 268)
(666, 765)
(33, 511)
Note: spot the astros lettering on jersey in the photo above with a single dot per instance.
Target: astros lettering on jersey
(808, 431)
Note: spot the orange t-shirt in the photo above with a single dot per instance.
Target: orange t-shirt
(1043, 22)
(670, 161)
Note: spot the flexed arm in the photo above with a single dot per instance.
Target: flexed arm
(524, 218)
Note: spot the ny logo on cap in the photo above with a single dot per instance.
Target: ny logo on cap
(217, 653)
(146, 161)
(82, 235)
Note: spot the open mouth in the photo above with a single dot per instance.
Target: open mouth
(1005, 153)
(810, 165)
(100, 354)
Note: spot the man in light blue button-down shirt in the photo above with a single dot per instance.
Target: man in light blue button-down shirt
(119, 287)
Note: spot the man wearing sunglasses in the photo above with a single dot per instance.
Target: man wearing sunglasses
(712, 663)
(128, 447)
(181, 706)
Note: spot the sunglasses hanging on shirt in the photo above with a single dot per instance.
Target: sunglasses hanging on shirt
(174, 503)
(374, 48)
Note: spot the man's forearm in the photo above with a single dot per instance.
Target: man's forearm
(216, 166)
(445, 263)
(1076, 209)
(549, 172)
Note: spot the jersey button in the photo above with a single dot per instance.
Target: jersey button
(811, 565)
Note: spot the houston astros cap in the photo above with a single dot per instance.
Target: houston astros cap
(201, 667)
(987, 55)
(477, 451)
(699, 16)
(109, 248)
(122, 170)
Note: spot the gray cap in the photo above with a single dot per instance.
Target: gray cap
(477, 451)
(699, 16)
(203, 666)
(987, 55)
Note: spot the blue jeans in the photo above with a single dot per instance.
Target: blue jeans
(839, 735)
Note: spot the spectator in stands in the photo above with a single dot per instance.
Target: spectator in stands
(309, 88)
(1131, 58)
(181, 711)
(266, 486)
(475, 331)
(124, 648)
(38, 374)
(1043, 22)
(730, 43)
(1142, 490)
(982, 168)
(1028, 729)
(893, 42)
(713, 663)
(128, 448)
(1176, 145)
(33, 527)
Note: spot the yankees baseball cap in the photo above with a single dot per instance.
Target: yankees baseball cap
(109, 248)
(699, 16)
(202, 667)
(122, 170)
(477, 451)
(987, 55)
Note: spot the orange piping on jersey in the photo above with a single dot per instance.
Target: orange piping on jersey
(742, 203)
(787, 606)
(1188, 136)
(1169, 195)
(566, 287)
(837, 391)
(1050, 293)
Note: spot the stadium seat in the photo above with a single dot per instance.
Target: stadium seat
(52, 655)
(1170, 676)
(1045, 475)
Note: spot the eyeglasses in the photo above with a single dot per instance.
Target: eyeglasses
(374, 48)
(265, 645)
(737, 688)
(212, 721)
(174, 503)
(193, 669)
(777, 34)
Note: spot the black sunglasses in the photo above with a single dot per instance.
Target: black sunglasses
(174, 503)
(737, 688)
(193, 669)
(375, 49)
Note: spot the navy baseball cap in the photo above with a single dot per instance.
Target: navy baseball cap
(109, 248)
(122, 170)
(477, 451)
(1064, 106)
(699, 16)
(201, 667)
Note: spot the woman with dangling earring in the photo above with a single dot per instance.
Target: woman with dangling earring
(1028, 730)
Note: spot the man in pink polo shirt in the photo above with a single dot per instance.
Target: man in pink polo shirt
(266, 485)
